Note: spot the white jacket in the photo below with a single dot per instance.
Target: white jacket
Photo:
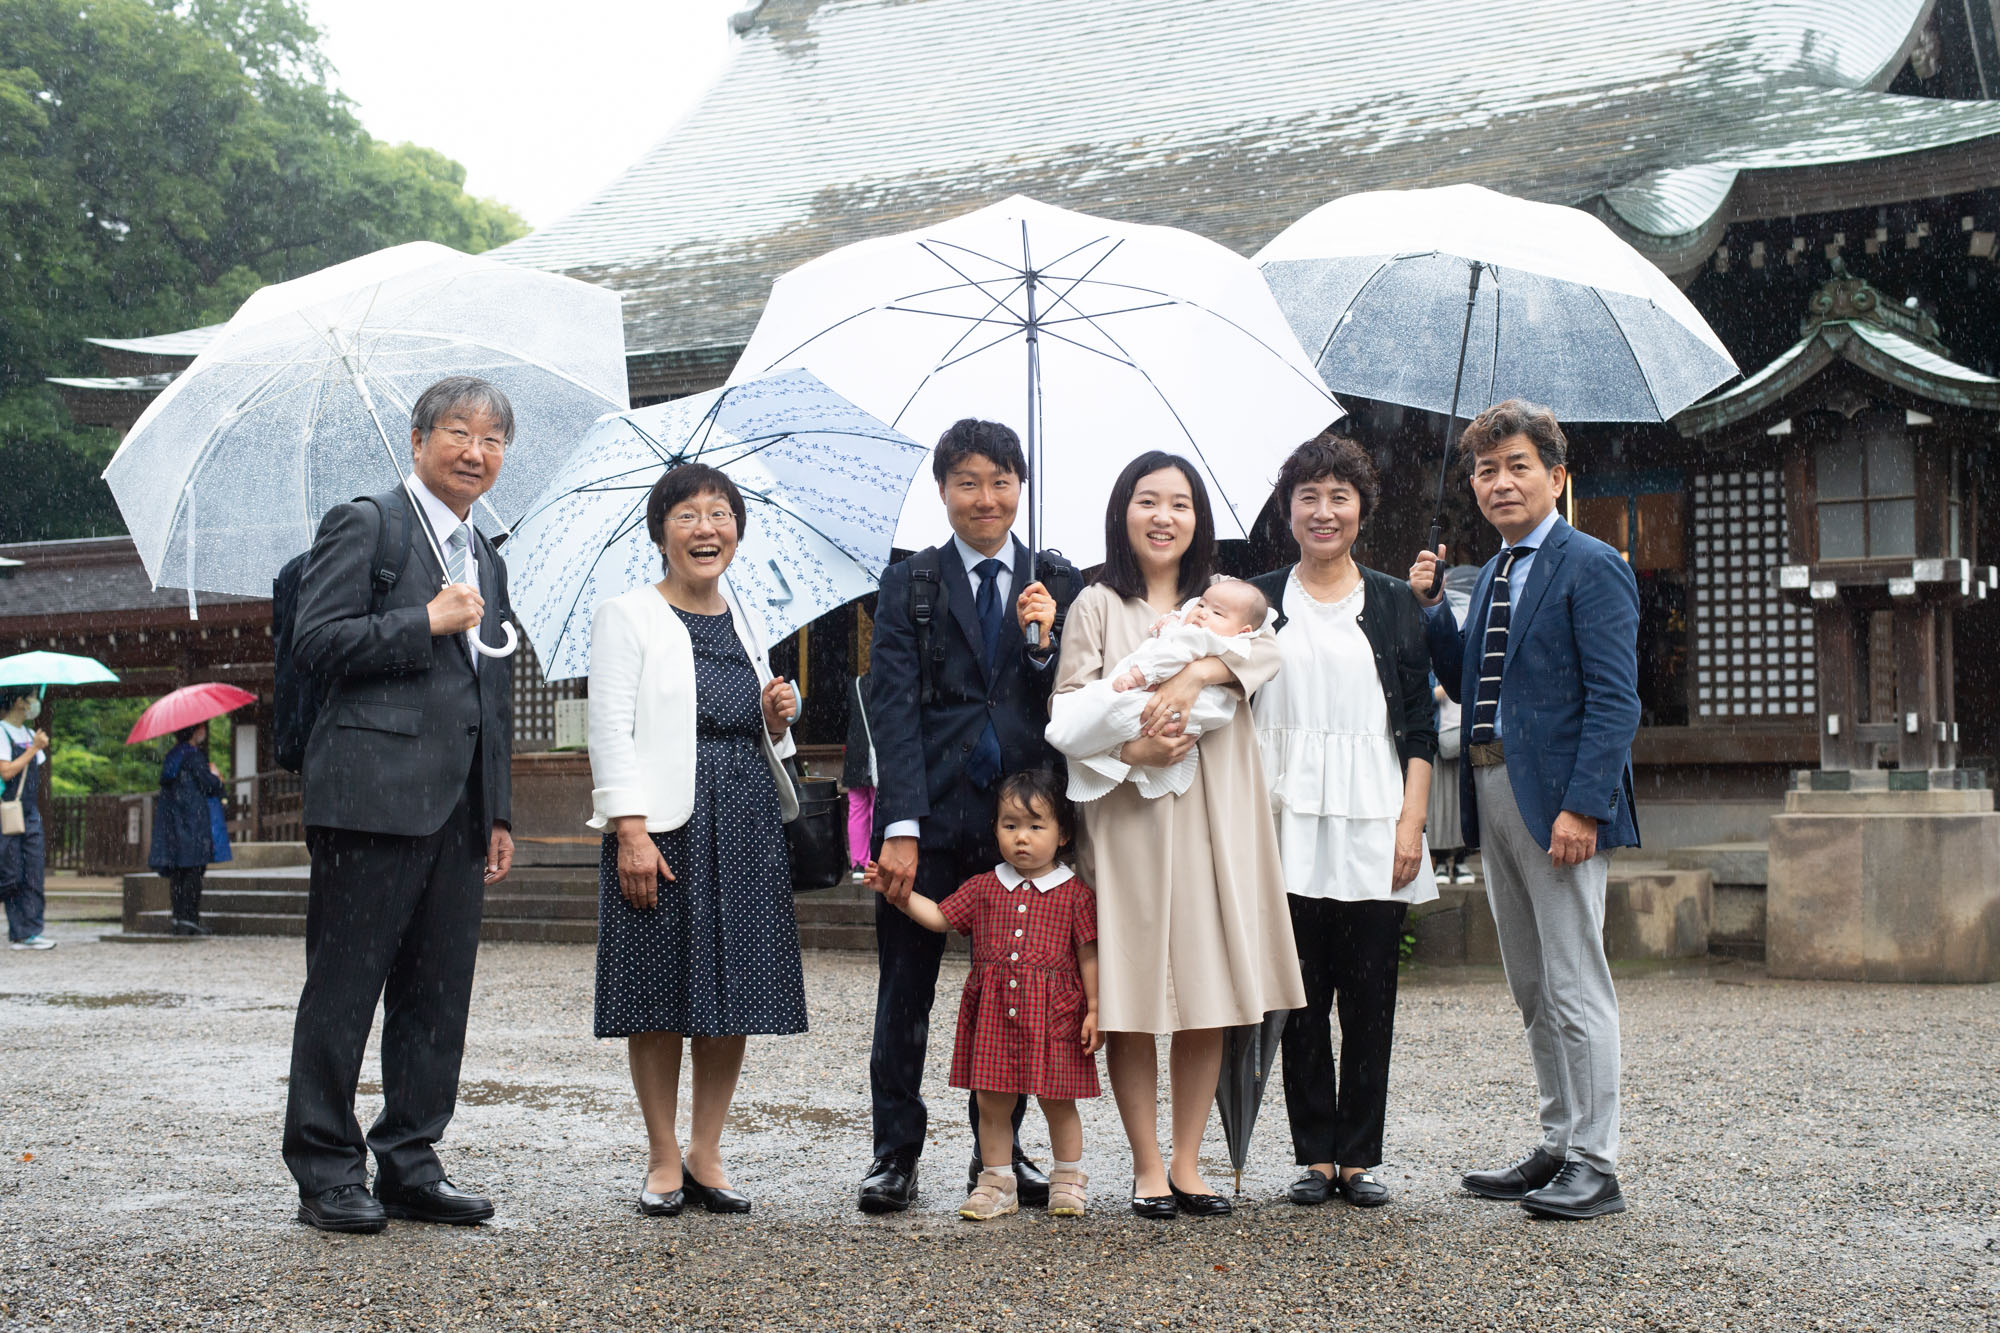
(642, 712)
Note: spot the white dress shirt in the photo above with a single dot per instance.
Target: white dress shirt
(1003, 585)
(442, 523)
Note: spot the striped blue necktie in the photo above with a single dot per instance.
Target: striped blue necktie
(456, 547)
(1493, 654)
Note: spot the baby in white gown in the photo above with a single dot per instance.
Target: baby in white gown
(1099, 718)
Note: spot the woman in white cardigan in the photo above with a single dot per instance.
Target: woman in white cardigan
(696, 934)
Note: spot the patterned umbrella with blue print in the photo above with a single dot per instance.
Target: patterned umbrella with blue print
(822, 483)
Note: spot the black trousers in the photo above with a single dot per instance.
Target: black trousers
(1348, 954)
(184, 891)
(393, 919)
(907, 957)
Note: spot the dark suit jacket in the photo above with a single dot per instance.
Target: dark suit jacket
(1569, 691)
(919, 752)
(405, 716)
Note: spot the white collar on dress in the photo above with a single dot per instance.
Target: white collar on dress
(1012, 879)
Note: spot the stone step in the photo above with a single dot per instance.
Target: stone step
(523, 929)
(1650, 912)
(1735, 864)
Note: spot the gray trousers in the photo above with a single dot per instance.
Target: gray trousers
(1550, 920)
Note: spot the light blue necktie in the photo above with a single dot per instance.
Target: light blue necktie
(456, 548)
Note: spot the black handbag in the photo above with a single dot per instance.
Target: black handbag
(816, 842)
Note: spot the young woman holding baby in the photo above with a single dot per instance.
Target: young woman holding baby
(1193, 931)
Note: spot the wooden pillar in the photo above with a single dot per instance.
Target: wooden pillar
(1837, 652)
(1916, 688)
(1947, 671)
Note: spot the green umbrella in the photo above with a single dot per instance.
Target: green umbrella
(40, 668)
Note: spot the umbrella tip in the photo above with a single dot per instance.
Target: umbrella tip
(1239, 1182)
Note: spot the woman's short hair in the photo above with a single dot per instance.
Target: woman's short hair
(1121, 572)
(996, 443)
(681, 484)
(1038, 786)
(452, 395)
(1516, 416)
(1329, 456)
(185, 735)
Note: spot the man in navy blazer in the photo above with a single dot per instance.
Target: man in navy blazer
(952, 706)
(1546, 669)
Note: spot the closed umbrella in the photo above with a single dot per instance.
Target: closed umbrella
(186, 706)
(1249, 1054)
(303, 402)
(1094, 339)
(44, 668)
(821, 482)
(1461, 297)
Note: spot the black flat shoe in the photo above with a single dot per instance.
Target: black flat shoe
(1579, 1191)
(1200, 1205)
(1511, 1183)
(1362, 1190)
(1311, 1189)
(662, 1205)
(1159, 1207)
(713, 1199)
(889, 1187)
(347, 1208)
(434, 1201)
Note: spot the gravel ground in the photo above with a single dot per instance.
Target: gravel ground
(1797, 1157)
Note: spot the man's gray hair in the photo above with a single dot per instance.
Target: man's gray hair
(453, 395)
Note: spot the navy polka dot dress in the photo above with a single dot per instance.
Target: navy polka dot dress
(719, 954)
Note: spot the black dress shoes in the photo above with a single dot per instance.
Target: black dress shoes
(1200, 1205)
(434, 1201)
(668, 1204)
(1362, 1190)
(713, 1199)
(1514, 1182)
(1031, 1186)
(1158, 1207)
(349, 1208)
(1579, 1190)
(890, 1185)
(1311, 1189)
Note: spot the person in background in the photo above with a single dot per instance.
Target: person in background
(1547, 666)
(23, 770)
(697, 939)
(857, 774)
(1443, 829)
(1348, 734)
(183, 826)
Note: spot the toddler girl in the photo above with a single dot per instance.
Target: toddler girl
(1027, 1022)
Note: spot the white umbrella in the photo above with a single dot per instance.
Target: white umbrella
(1096, 340)
(1461, 296)
(821, 483)
(302, 402)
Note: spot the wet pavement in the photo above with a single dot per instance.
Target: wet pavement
(1797, 1156)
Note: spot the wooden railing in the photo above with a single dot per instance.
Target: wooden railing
(112, 834)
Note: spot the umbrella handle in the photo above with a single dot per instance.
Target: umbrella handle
(504, 650)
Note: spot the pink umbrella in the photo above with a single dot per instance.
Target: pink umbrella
(185, 707)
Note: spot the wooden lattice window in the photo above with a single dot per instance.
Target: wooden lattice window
(535, 699)
(1753, 652)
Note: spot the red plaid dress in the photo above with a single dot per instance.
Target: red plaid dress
(1020, 1020)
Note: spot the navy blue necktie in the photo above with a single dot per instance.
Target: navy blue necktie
(983, 765)
(1493, 652)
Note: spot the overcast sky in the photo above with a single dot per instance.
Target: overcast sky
(544, 101)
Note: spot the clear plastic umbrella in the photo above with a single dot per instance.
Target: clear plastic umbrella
(303, 402)
(821, 482)
(1096, 340)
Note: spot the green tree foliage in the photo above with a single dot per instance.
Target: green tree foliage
(158, 163)
(88, 752)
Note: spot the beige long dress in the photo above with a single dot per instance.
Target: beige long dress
(1192, 926)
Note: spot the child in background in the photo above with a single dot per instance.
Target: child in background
(1027, 1022)
(1104, 714)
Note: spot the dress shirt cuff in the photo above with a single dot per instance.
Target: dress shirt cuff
(903, 828)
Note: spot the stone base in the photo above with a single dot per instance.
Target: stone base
(1650, 912)
(1885, 886)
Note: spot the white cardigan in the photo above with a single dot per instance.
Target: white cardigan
(642, 713)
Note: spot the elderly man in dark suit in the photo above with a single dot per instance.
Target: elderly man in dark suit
(957, 697)
(1547, 670)
(406, 812)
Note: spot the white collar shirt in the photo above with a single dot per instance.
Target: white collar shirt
(442, 522)
(1005, 583)
(1012, 879)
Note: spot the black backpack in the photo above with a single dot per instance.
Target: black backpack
(1058, 575)
(299, 693)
